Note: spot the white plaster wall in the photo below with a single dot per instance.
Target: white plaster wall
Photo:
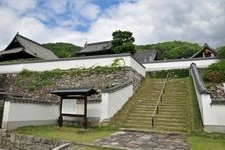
(94, 110)
(179, 64)
(21, 114)
(212, 115)
(136, 66)
(70, 63)
(114, 101)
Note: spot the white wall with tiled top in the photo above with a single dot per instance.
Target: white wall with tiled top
(212, 114)
(64, 64)
(178, 64)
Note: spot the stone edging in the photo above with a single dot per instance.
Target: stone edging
(10, 140)
(218, 102)
(198, 80)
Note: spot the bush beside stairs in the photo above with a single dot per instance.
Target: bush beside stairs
(172, 113)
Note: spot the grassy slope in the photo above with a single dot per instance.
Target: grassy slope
(197, 138)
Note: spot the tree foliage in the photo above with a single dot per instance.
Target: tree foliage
(62, 50)
(123, 42)
(215, 73)
(221, 52)
(172, 50)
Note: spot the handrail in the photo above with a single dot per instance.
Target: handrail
(156, 110)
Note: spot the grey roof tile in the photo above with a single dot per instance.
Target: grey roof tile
(145, 56)
(31, 47)
(95, 47)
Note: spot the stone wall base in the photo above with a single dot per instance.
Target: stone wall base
(15, 124)
(214, 128)
(13, 141)
(78, 122)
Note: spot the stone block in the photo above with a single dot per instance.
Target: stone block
(12, 137)
(30, 139)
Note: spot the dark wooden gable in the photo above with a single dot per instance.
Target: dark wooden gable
(206, 51)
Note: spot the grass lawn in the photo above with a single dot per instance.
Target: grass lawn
(66, 133)
(202, 142)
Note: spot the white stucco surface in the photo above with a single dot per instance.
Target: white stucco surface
(71, 63)
(178, 64)
(112, 102)
(212, 114)
(21, 114)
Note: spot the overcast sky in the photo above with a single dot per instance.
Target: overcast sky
(78, 21)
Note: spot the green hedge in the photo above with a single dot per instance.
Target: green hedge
(215, 73)
(175, 73)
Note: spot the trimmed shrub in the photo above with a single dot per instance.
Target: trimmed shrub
(215, 73)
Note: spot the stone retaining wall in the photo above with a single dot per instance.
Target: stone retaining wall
(100, 82)
(14, 141)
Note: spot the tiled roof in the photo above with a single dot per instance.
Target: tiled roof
(31, 47)
(95, 47)
(145, 56)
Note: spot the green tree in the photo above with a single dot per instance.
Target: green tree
(62, 50)
(172, 50)
(221, 52)
(123, 42)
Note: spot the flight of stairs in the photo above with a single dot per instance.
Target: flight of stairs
(173, 110)
(139, 116)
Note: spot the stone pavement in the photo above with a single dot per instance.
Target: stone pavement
(133, 140)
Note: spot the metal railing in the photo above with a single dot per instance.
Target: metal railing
(156, 110)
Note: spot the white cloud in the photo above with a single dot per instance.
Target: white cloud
(87, 9)
(21, 6)
(150, 21)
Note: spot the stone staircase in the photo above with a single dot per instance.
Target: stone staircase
(172, 114)
(173, 110)
(139, 116)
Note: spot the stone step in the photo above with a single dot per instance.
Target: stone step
(172, 107)
(173, 103)
(144, 107)
(172, 111)
(170, 128)
(137, 126)
(143, 122)
(169, 116)
(141, 115)
(180, 100)
(175, 124)
(161, 112)
(149, 100)
(148, 111)
(174, 96)
(163, 119)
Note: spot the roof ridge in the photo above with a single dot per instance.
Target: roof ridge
(20, 36)
(98, 42)
(24, 45)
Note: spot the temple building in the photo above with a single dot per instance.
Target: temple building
(99, 48)
(206, 51)
(23, 48)
(105, 47)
